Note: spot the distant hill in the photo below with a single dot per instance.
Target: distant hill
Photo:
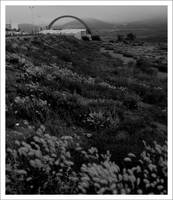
(159, 23)
(150, 29)
(99, 24)
(154, 29)
(94, 24)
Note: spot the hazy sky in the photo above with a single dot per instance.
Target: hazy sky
(44, 14)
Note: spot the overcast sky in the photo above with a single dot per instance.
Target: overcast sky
(44, 14)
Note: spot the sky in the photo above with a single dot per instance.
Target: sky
(112, 14)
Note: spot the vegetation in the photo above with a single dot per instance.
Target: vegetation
(96, 37)
(45, 164)
(79, 121)
(130, 37)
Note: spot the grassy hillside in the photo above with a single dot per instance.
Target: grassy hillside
(72, 112)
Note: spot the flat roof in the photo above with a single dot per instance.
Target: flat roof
(68, 31)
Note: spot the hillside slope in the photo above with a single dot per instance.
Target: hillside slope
(67, 93)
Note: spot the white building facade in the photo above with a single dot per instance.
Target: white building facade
(77, 33)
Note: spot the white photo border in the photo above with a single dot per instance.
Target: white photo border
(2, 83)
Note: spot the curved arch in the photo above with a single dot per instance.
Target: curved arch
(71, 16)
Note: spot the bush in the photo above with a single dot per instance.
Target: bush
(85, 38)
(96, 37)
(44, 164)
(130, 37)
(100, 120)
(30, 108)
(148, 176)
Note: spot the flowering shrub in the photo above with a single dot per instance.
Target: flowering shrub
(154, 165)
(100, 120)
(30, 107)
(100, 178)
(147, 176)
(45, 164)
(96, 120)
(39, 165)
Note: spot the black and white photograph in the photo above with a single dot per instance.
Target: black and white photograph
(86, 100)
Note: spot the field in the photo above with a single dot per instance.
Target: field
(85, 117)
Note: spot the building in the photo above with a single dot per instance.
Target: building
(77, 33)
(12, 32)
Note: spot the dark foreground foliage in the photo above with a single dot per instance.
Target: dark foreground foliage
(80, 121)
(44, 164)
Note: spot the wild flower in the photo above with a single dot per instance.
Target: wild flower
(48, 160)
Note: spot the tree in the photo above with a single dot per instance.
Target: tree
(85, 38)
(96, 37)
(130, 37)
